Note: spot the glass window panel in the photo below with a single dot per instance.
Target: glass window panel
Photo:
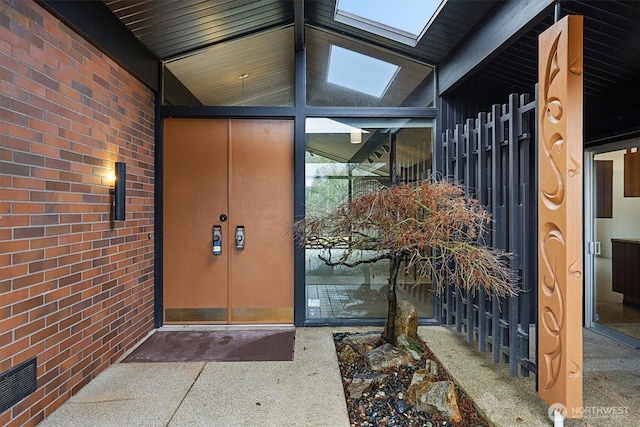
(344, 157)
(253, 71)
(404, 21)
(375, 82)
(350, 83)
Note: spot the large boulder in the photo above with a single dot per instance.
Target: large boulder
(388, 356)
(438, 397)
(406, 319)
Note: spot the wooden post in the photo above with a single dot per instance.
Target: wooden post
(560, 208)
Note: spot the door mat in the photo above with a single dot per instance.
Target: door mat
(223, 346)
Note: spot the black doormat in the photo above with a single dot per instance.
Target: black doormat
(224, 346)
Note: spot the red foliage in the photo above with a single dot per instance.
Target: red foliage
(434, 226)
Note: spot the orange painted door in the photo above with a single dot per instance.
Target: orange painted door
(232, 174)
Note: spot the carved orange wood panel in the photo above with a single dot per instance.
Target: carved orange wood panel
(560, 263)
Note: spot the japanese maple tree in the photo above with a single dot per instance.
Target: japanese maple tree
(432, 225)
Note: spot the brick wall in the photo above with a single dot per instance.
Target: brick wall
(76, 289)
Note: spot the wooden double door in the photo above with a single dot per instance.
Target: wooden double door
(232, 178)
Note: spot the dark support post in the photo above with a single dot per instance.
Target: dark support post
(496, 168)
(514, 221)
(470, 185)
(481, 188)
(458, 175)
(557, 11)
(299, 292)
(158, 302)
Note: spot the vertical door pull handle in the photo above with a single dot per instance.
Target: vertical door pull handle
(240, 237)
(217, 240)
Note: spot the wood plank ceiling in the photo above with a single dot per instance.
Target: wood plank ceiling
(175, 28)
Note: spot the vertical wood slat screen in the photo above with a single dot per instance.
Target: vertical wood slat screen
(494, 157)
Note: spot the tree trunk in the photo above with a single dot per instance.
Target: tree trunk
(389, 333)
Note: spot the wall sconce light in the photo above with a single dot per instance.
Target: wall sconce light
(119, 191)
(355, 136)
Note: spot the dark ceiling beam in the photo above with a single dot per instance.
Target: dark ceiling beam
(95, 22)
(375, 142)
(176, 93)
(298, 24)
(504, 24)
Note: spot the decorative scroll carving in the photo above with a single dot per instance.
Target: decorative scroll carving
(560, 262)
(552, 312)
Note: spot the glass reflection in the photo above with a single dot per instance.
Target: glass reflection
(397, 150)
(347, 73)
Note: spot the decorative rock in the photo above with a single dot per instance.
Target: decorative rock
(388, 356)
(432, 367)
(406, 319)
(435, 398)
(362, 384)
(428, 374)
(378, 377)
(348, 354)
(411, 345)
(359, 386)
(362, 343)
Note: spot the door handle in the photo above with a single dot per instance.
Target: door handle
(240, 239)
(217, 240)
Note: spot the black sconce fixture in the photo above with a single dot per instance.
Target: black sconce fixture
(119, 191)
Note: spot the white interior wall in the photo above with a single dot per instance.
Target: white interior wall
(626, 210)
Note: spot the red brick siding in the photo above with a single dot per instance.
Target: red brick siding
(76, 289)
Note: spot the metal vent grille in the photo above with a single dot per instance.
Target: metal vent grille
(17, 383)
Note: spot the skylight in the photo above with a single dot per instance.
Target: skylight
(359, 72)
(404, 21)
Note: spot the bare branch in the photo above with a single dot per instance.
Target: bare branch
(434, 224)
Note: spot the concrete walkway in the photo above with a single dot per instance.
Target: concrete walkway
(308, 391)
(305, 392)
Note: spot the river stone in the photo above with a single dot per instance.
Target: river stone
(411, 345)
(406, 319)
(388, 356)
(435, 398)
(362, 343)
(401, 406)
